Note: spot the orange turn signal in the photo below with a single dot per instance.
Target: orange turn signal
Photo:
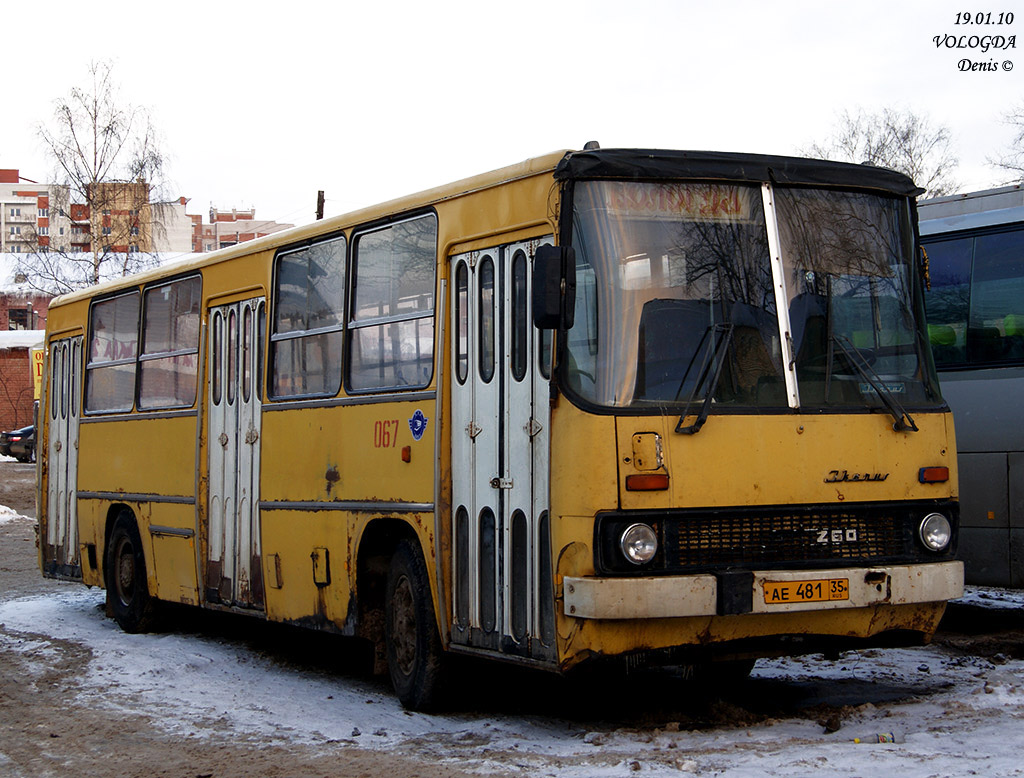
(647, 482)
(933, 475)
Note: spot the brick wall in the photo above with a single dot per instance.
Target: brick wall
(15, 389)
(40, 305)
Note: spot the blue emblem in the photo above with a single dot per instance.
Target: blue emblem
(418, 424)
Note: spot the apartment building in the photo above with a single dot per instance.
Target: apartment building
(25, 214)
(122, 218)
(227, 228)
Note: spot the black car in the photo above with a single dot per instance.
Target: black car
(20, 444)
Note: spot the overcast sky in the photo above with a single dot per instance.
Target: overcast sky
(372, 100)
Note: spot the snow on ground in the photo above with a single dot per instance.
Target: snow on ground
(955, 714)
(7, 514)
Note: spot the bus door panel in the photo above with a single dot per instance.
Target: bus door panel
(61, 556)
(234, 566)
(475, 404)
(499, 455)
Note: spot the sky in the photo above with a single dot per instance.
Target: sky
(261, 104)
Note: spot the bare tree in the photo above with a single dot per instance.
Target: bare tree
(899, 140)
(1013, 159)
(109, 165)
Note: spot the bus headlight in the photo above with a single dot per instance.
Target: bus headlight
(935, 532)
(639, 544)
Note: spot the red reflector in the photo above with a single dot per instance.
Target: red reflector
(933, 475)
(407, 453)
(647, 482)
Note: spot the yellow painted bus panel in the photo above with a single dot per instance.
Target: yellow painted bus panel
(290, 569)
(141, 455)
(92, 515)
(173, 554)
(348, 453)
(790, 460)
(587, 478)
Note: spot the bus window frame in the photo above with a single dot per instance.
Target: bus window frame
(271, 337)
(972, 234)
(142, 356)
(133, 360)
(351, 287)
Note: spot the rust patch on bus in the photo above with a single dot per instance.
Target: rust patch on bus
(333, 477)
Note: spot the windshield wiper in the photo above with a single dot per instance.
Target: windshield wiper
(714, 361)
(904, 422)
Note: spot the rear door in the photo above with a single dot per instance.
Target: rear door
(234, 556)
(60, 554)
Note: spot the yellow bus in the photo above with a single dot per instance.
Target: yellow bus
(641, 406)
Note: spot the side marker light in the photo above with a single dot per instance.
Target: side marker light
(933, 475)
(647, 482)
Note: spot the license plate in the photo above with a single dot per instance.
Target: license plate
(789, 592)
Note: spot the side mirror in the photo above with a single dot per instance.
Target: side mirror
(554, 287)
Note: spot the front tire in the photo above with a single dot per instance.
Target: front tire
(415, 656)
(128, 599)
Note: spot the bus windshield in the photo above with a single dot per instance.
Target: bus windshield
(676, 304)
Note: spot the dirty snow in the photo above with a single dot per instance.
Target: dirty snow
(7, 514)
(955, 714)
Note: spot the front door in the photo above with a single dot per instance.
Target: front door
(60, 556)
(233, 571)
(500, 398)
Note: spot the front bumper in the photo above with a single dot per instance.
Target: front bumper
(669, 597)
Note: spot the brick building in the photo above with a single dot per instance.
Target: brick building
(25, 214)
(226, 228)
(22, 320)
(16, 385)
(33, 214)
(42, 215)
(23, 310)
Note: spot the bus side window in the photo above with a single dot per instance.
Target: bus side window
(948, 301)
(996, 327)
(308, 321)
(113, 350)
(169, 362)
(391, 323)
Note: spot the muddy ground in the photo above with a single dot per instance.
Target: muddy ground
(44, 732)
(47, 730)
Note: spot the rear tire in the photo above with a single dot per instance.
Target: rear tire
(415, 656)
(128, 599)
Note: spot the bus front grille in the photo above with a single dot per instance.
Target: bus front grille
(761, 540)
(773, 537)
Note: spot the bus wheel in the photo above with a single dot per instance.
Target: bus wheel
(128, 599)
(413, 645)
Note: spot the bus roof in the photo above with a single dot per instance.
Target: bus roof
(652, 164)
(972, 210)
